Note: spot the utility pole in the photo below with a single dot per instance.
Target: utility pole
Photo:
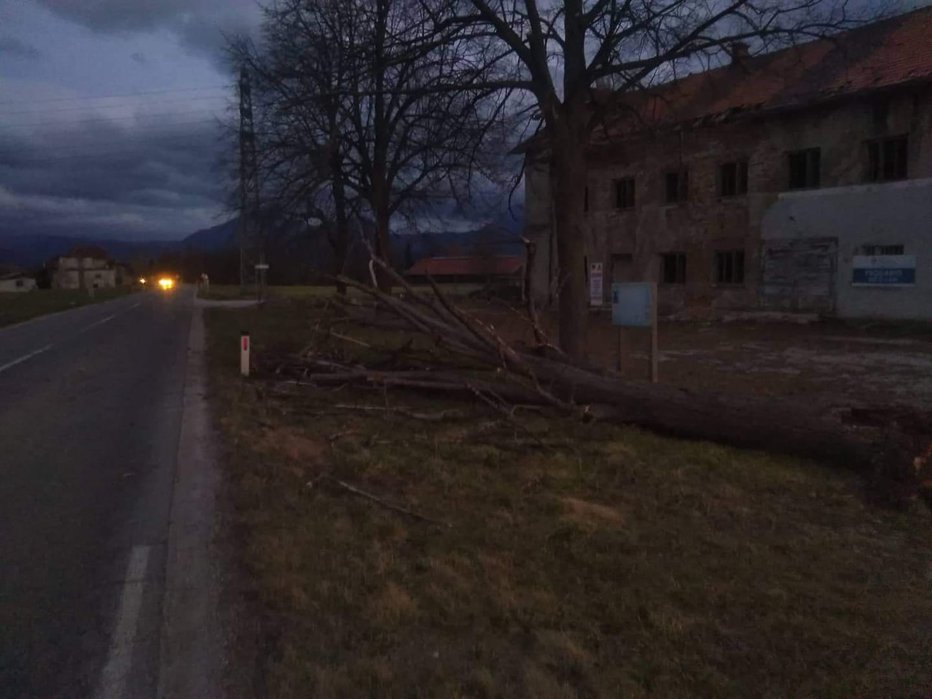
(251, 238)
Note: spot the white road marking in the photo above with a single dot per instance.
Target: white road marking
(110, 317)
(24, 358)
(99, 322)
(120, 657)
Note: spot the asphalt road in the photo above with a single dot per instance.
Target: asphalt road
(90, 416)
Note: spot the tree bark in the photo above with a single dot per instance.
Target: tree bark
(568, 174)
(341, 241)
(537, 376)
(383, 236)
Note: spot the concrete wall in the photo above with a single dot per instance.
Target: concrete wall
(635, 239)
(94, 273)
(17, 285)
(897, 213)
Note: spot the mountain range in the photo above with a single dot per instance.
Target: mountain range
(498, 236)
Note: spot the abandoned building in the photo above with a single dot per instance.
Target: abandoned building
(797, 180)
(84, 267)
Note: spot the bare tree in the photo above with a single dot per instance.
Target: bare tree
(348, 108)
(300, 115)
(557, 51)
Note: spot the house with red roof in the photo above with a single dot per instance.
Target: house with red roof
(797, 180)
(84, 267)
(490, 271)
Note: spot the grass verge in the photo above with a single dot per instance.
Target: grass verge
(580, 560)
(17, 307)
(226, 292)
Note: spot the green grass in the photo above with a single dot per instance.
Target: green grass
(17, 307)
(581, 560)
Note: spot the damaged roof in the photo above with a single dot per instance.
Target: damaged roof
(890, 53)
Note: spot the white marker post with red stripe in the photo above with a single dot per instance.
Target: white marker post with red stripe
(244, 353)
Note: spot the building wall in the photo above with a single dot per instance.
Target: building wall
(95, 273)
(896, 213)
(630, 242)
(17, 285)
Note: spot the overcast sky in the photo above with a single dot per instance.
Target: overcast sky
(109, 114)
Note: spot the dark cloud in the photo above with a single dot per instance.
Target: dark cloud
(109, 181)
(139, 58)
(12, 46)
(200, 24)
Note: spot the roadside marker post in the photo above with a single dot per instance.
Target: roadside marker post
(634, 305)
(244, 353)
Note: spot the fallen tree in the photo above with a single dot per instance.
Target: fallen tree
(472, 360)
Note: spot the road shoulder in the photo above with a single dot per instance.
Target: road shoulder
(193, 639)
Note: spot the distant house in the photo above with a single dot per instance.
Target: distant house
(500, 271)
(86, 267)
(15, 280)
(124, 274)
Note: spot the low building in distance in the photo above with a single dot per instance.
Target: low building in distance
(493, 272)
(14, 279)
(84, 267)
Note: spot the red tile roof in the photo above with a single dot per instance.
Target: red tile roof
(91, 251)
(885, 54)
(467, 266)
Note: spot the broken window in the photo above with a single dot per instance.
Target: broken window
(874, 250)
(886, 159)
(624, 193)
(805, 168)
(729, 267)
(733, 178)
(673, 268)
(677, 186)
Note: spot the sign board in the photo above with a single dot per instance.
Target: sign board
(632, 304)
(595, 284)
(884, 270)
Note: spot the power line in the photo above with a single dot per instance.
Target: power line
(25, 161)
(182, 100)
(125, 94)
(9, 156)
(100, 158)
(98, 120)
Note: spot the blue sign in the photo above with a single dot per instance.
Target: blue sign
(884, 276)
(883, 270)
(633, 304)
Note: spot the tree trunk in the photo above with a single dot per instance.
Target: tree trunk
(341, 242)
(554, 379)
(383, 238)
(778, 426)
(568, 174)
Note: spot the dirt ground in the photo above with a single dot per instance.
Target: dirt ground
(838, 365)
